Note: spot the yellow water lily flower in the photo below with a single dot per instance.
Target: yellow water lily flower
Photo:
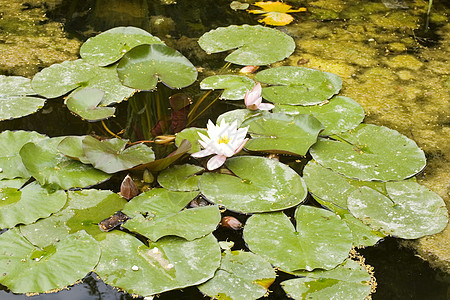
(275, 13)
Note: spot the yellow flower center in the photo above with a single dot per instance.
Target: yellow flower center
(224, 139)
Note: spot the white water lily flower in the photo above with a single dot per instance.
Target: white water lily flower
(224, 140)
(253, 99)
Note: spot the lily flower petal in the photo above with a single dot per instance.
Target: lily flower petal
(202, 153)
(266, 106)
(216, 162)
(253, 99)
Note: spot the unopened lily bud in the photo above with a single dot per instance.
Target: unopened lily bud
(248, 69)
(128, 188)
(164, 139)
(231, 223)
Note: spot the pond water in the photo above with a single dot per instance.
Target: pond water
(391, 56)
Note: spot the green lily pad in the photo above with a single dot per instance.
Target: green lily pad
(84, 103)
(10, 160)
(410, 211)
(281, 133)
(143, 66)
(171, 263)
(111, 156)
(28, 204)
(371, 152)
(72, 147)
(159, 212)
(164, 163)
(339, 115)
(59, 79)
(260, 185)
(109, 46)
(298, 86)
(27, 269)
(239, 115)
(83, 211)
(348, 281)
(15, 101)
(257, 45)
(242, 275)
(274, 237)
(234, 86)
(180, 178)
(190, 134)
(49, 166)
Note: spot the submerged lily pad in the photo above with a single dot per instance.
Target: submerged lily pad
(410, 211)
(159, 212)
(10, 144)
(190, 134)
(339, 115)
(28, 204)
(111, 156)
(59, 79)
(109, 46)
(180, 178)
(348, 281)
(171, 263)
(298, 85)
(15, 99)
(371, 152)
(234, 86)
(260, 185)
(84, 103)
(242, 275)
(143, 66)
(280, 133)
(256, 45)
(28, 269)
(83, 211)
(274, 237)
(49, 166)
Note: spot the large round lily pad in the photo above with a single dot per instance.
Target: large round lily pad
(143, 66)
(10, 144)
(234, 86)
(259, 185)
(47, 165)
(256, 45)
(339, 115)
(371, 152)
(321, 241)
(27, 204)
(84, 103)
(59, 79)
(180, 178)
(348, 281)
(281, 133)
(111, 156)
(27, 269)
(242, 275)
(83, 211)
(160, 212)
(15, 99)
(410, 211)
(298, 85)
(109, 46)
(171, 263)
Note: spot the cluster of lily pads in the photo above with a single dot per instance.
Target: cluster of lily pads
(360, 175)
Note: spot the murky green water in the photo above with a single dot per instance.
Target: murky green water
(389, 60)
